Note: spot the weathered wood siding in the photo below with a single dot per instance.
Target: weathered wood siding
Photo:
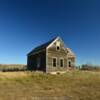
(72, 60)
(51, 53)
(32, 61)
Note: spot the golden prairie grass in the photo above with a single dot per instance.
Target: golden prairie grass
(73, 85)
(12, 75)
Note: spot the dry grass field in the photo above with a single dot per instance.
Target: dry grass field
(73, 85)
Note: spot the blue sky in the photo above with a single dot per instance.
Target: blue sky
(24, 24)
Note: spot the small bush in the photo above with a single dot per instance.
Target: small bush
(90, 67)
(12, 67)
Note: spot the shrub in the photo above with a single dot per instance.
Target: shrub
(89, 67)
(12, 67)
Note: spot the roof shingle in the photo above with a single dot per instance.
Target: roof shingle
(41, 47)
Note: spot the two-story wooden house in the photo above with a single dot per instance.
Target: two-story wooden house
(52, 56)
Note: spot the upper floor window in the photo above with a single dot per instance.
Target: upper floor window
(58, 48)
(58, 45)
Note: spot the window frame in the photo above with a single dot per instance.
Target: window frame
(57, 48)
(61, 59)
(69, 64)
(58, 45)
(53, 61)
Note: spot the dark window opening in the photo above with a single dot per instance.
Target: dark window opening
(61, 62)
(58, 48)
(54, 62)
(69, 64)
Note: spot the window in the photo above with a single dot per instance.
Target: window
(58, 48)
(69, 63)
(61, 62)
(57, 45)
(54, 62)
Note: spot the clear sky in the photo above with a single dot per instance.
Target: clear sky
(24, 24)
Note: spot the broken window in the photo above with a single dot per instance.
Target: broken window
(54, 62)
(61, 62)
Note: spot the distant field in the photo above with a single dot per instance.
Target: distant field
(74, 85)
(12, 67)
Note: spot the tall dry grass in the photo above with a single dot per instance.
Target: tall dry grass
(73, 85)
(12, 67)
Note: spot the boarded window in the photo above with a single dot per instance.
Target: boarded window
(54, 62)
(61, 62)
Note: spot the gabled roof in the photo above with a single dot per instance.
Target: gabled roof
(70, 53)
(42, 47)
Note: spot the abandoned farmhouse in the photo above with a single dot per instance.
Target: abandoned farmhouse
(52, 56)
